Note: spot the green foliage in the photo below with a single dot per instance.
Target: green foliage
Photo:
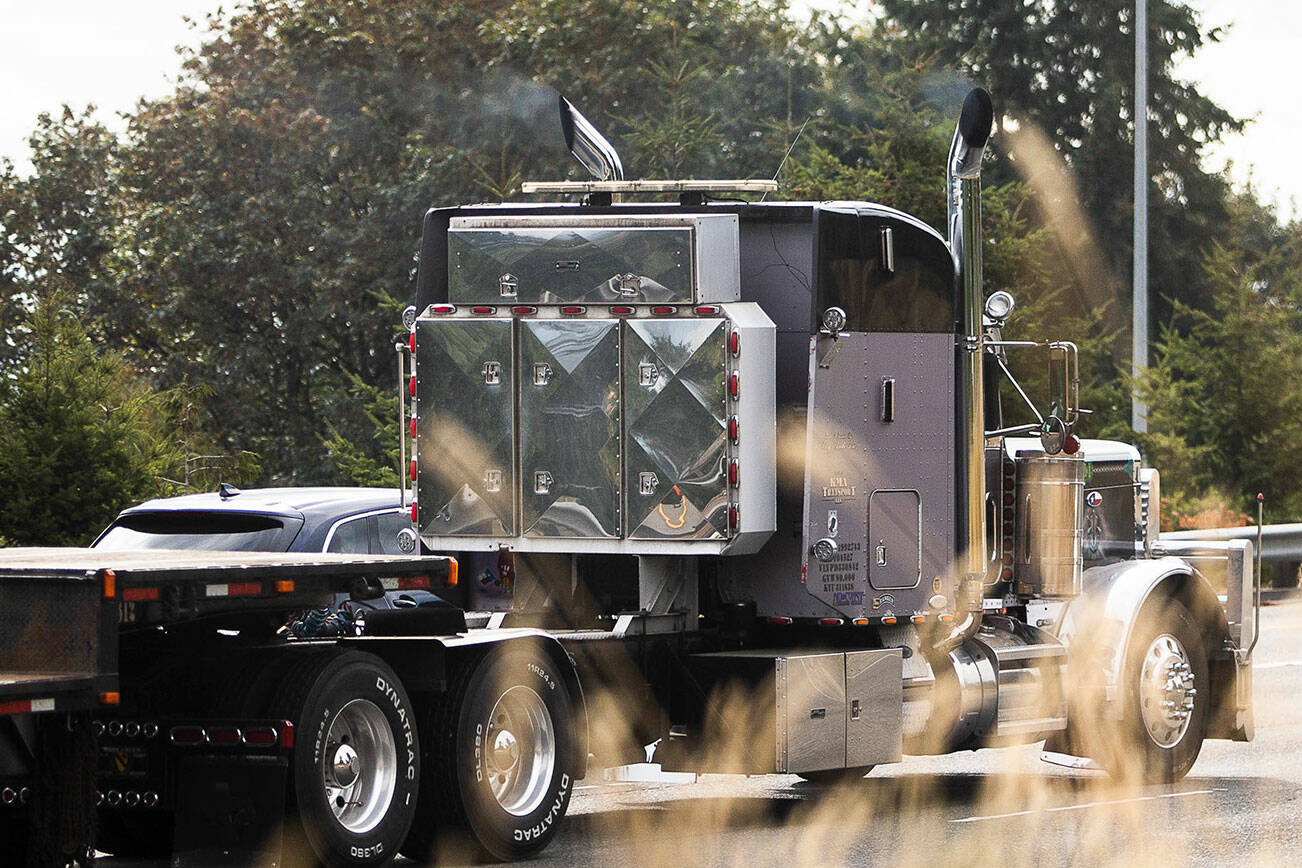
(1223, 389)
(80, 437)
(1065, 70)
(248, 244)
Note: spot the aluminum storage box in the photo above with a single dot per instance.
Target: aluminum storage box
(465, 384)
(569, 428)
(610, 259)
(675, 461)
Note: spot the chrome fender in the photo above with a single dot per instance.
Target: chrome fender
(1098, 624)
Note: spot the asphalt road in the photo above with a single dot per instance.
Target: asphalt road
(1239, 806)
(1004, 807)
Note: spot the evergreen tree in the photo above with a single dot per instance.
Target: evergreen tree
(1064, 73)
(80, 437)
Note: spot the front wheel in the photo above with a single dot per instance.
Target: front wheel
(502, 757)
(1166, 695)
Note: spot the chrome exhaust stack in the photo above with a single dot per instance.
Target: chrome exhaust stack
(963, 186)
(589, 146)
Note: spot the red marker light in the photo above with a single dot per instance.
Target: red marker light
(734, 385)
(622, 310)
(524, 309)
(831, 622)
(734, 516)
(413, 426)
(1071, 445)
(413, 511)
(413, 468)
(573, 310)
(707, 310)
(734, 343)
(412, 387)
(444, 309)
(734, 472)
(734, 429)
(664, 310)
(483, 310)
(411, 341)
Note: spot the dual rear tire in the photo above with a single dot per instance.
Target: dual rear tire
(502, 758)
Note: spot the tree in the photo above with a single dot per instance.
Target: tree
(59, 227)
(1065, 71)
(885, 135)
(80, 437)
(1223, 389)
(272, 204)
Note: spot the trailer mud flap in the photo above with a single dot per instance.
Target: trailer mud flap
(230, 811)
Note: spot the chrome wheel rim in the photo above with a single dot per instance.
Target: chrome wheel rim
(520, 751)
(359, 767)
(1166, 691)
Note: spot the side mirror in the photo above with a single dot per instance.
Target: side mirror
(1053, 435)
(1064, 382)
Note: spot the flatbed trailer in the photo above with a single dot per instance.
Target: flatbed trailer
(88, 621)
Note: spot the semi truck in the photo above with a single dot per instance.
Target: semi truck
(746, 471)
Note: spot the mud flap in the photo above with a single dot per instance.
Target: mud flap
(230, 811)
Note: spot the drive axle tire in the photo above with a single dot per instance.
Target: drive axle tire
(355, 771)
(502, 756)
(1166, 693)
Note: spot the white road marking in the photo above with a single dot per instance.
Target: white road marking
(1091, 805)
(1279, 665)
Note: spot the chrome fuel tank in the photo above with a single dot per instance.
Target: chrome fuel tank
(1049, 501)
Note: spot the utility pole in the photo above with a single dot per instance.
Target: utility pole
(1139, 282)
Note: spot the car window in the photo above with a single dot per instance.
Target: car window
(204, 531)
(389, 525)
(352, 536)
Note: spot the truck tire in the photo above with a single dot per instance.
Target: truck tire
(1166, 695)
(355, 770)
(502, 756)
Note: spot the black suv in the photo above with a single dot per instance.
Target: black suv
(352, 520)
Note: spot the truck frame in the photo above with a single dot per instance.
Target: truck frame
(744, 465)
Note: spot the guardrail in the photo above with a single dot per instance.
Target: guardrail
(1279, 542)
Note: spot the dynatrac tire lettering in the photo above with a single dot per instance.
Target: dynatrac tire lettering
(546, 822)
(409, 737)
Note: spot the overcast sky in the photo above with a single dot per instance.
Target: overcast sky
(112, 53)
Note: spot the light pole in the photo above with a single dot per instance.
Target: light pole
(1139, 281)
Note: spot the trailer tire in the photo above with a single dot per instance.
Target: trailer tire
(502, 756)
(1165, 663)
(355, 770)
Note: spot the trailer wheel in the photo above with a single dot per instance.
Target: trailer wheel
(502, 756)
(1166, 695)
(355, 769)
